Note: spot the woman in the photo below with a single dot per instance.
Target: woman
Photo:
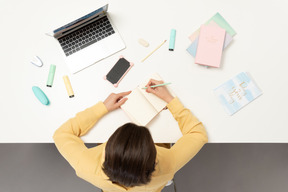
(129, 161)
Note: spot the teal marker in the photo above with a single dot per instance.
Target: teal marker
(172, 40)
(51, 75)
(159, 85)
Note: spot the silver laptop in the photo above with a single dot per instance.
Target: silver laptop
(88, 39)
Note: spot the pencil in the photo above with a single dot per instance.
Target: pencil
(157, 85)
(153, 51)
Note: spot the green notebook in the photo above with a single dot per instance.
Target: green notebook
(222, 23)
(217, 18)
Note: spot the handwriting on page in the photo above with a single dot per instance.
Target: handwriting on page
(238, 93)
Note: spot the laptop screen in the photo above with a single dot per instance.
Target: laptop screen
(82, 19)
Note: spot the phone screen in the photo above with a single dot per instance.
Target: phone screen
(118, 70)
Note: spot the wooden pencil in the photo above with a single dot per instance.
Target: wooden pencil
(153, 51)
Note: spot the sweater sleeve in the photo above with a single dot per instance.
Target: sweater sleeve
(194, 135)
(67, 137)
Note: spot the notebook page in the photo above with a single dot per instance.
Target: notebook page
(155, 101)
(138, 108)
(132, 118)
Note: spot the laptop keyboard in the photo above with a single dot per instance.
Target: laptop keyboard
(86, 36)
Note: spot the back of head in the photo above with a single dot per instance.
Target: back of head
(130, 156)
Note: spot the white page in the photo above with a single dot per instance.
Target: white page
(156, 102)
(138, 108)
(131, 117)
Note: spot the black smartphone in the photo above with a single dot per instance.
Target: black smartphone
(118, 71)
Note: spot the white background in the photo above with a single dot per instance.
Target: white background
(259, 47)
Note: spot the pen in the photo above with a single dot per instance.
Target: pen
(159, 85)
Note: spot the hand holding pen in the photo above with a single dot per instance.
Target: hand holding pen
(159, 89)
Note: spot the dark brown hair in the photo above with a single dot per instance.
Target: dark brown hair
(130, 156)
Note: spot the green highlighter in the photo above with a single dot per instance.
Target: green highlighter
(172, 39)
(51, 75)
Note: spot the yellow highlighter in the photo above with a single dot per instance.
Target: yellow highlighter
(68, 86)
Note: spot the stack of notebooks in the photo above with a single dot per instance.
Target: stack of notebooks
(209, 41)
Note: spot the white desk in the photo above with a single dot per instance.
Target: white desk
(260, 47)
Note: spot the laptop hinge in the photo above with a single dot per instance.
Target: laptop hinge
(78, 25)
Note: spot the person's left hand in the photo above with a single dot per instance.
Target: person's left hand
(114, 101)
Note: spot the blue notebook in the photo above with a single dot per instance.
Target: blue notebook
(192, 49)
(237, 92)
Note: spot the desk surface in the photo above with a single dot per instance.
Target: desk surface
(260, 48)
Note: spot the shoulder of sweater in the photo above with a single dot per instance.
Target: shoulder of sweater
(164, 161)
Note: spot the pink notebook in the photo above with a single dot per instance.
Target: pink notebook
(210, 45)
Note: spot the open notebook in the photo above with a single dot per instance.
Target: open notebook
(142, 107)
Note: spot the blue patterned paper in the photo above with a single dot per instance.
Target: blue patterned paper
(237, 92)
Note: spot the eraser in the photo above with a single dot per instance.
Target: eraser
(143, 42)
(37, 61)
(40, 95)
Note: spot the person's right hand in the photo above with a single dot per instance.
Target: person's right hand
(114, 101)
(161, 92)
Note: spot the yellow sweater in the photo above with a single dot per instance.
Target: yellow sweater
(88, 162)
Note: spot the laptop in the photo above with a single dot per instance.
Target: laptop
(88, 39)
